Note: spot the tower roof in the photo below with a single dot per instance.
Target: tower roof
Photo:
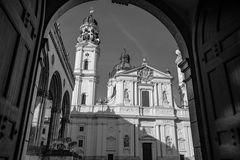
(123, 65)
(89, 19)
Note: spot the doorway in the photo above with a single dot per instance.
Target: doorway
(147, 151)
(110, 156)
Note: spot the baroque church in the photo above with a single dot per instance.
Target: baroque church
(139, 119)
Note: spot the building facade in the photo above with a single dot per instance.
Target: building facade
(50, 106)
(137, 120)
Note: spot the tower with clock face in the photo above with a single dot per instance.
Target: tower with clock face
(86, 62)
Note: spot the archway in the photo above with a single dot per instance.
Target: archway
(55, 92)
(65, 115)
(22, 22)
(176, 26)
(39, 107)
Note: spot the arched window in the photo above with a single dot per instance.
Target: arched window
(126, 141)
(85, 66)
(83, 98)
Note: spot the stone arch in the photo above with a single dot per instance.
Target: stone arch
(178, 26)
(55, 94)
(65, 114)
(163, 12)
(39, 107)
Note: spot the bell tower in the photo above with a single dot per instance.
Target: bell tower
(86, 62)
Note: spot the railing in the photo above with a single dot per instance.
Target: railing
(130, 110)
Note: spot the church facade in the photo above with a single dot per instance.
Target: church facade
(139, 118)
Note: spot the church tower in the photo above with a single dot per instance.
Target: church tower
(86, 62)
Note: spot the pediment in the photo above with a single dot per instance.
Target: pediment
(146, 72)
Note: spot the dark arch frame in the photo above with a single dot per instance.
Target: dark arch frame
(180, 28)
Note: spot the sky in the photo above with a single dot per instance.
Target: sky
(130, 27)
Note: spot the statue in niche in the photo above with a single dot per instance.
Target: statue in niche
(164, 97)
(169, 144)
(126, 141)
(126, 96)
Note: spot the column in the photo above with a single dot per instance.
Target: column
(137, 140)
(133, 100)
(132, 136)
(136, 93)
(190, 141)
(123, 92)
(78, 59)
(88, 138)
(76, 96)
(119, 92)
(155, 94)
(160, 94)
(174, 138)
(99, 138)
(120, 138)
(158, 147)
(104, 143)
(163, 141)
(131, 93)
(93, 92)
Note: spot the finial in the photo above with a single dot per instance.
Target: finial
(144, 60)
(168, 71)
(177, 52)
(125, 50)
(91, 10)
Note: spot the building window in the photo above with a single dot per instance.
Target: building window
(83, 98)
(80, 143)
(81, 129)
(42, 143)
(85, 66)
(43, 131)
(145, 98)
(126, 141)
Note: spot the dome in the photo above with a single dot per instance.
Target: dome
(125, 57)
(123, 65)
(90, 20)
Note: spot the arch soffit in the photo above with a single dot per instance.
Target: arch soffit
(175, 24)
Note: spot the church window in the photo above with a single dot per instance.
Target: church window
(83, 98)
(81, 129)
(145, 98)
(126, 141)
(43, 131)
(80, 143)
(85, 67)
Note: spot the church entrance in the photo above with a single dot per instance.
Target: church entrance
(110, 156)
(147, 151)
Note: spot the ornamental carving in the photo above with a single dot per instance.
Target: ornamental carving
(145, 74)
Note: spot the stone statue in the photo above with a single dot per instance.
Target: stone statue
(126, 95)
(164, 97)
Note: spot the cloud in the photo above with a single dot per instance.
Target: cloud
(120, 26)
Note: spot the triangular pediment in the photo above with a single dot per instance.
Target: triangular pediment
(146, 70)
